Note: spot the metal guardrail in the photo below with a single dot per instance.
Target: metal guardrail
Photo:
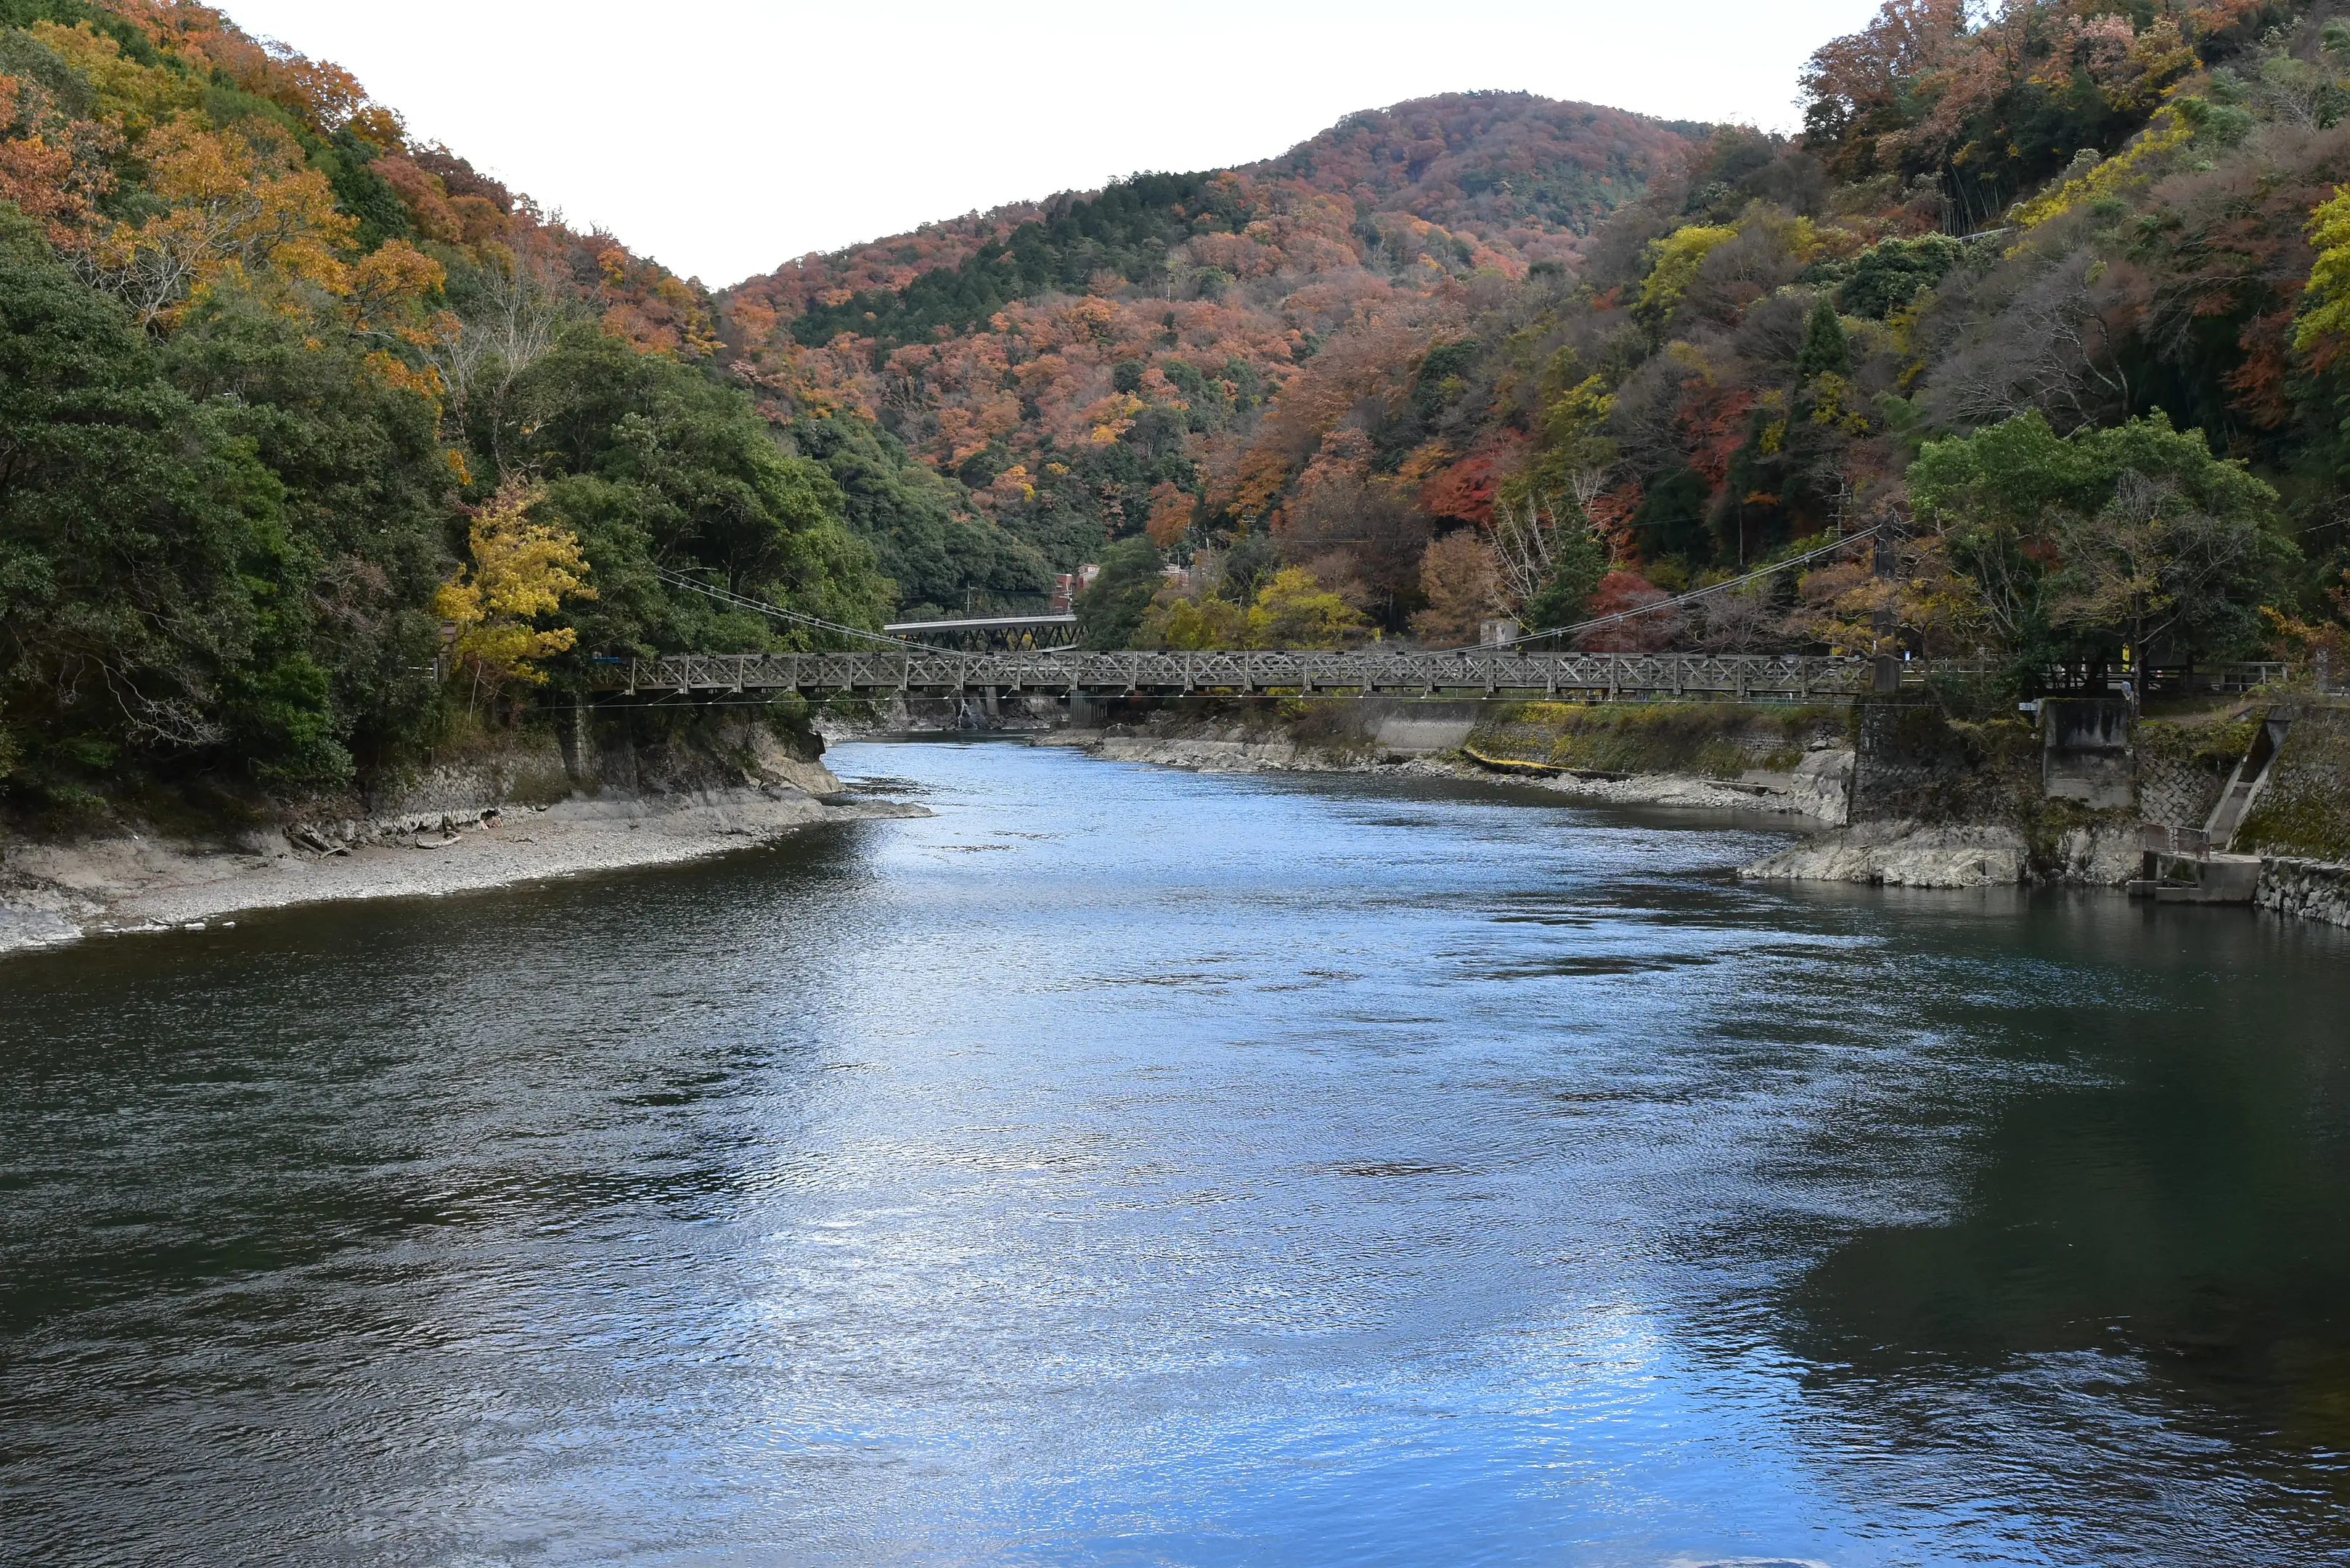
(1484, 672)
(2182, 680)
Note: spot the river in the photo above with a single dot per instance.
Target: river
(1127, 1167)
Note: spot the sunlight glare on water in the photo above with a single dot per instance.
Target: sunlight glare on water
(1123, 1166)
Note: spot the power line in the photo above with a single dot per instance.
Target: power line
(1724, 587)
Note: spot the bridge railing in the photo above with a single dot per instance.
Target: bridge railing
(1481, 672)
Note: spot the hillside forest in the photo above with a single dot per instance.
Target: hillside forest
(319, 447)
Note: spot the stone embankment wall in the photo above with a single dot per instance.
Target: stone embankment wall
(1229, 734)
(1785, 759)
(2183, 769)
(1714, 757)
(1709, 740)
(2311, 890)
(1917, 765)
(2300, 825)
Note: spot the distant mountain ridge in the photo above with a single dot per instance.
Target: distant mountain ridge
(1076, 369)
(1509, 169)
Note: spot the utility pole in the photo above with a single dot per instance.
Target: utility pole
(1884, 622)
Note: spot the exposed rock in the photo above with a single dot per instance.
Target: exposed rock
(1902, 855)
(1820, 785)
(2103, 853)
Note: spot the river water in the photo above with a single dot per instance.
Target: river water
(1126, 1167)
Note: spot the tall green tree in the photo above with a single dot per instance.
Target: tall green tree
(657, 467)
(1110, 612)
(2079, 544)
(154, 590)
(929, 539)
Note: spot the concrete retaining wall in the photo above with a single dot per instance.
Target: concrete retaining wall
(1717, 740)
(2085, 752)
(2303, 809)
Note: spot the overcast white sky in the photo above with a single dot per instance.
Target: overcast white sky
(725, 137)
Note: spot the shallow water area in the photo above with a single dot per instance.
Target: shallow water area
(1125, 1166)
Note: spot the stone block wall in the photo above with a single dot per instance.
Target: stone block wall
(1915, 764)
(2308, 890)
(2183, 769)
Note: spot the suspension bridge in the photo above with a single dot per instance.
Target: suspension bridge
(1480, 672)
(1009, 656)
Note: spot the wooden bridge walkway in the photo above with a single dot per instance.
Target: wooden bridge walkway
(1485, 672)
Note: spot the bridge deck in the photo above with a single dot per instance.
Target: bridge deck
(1641, 677)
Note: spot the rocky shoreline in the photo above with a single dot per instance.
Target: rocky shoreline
(60, 890)
(1815, 794)
(1778, 795)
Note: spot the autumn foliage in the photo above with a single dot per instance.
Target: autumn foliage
(1707, 348)
(284, 394)
(519, 573)
(1332, 391)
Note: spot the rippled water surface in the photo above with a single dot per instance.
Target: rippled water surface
(1127, 1167)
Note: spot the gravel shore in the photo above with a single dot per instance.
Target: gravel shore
(55, 892)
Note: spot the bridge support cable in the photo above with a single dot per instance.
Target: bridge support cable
(1757, 574)
(777, 612)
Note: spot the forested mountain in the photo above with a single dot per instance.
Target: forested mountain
(1083, 366)
(318, 446)
(2056, 288)
(293, 410)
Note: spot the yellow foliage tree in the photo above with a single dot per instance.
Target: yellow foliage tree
(136, 99)
(2139, 161)
(2325, 323)
(1295, 610)
(520, 570)
(1679, 255)
(1175, 622)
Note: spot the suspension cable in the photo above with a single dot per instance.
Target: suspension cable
(728, 597)
(1724, 587)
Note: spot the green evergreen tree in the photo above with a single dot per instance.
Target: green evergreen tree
(1579, 564)
(1826, 351)
(1110, 612)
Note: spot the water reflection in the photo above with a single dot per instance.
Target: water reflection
(1130, 1167)
(2151, 1237)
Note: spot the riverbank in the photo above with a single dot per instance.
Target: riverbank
(1794, 763)
(61, 891)
(1232, 753)
(1895, 796)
